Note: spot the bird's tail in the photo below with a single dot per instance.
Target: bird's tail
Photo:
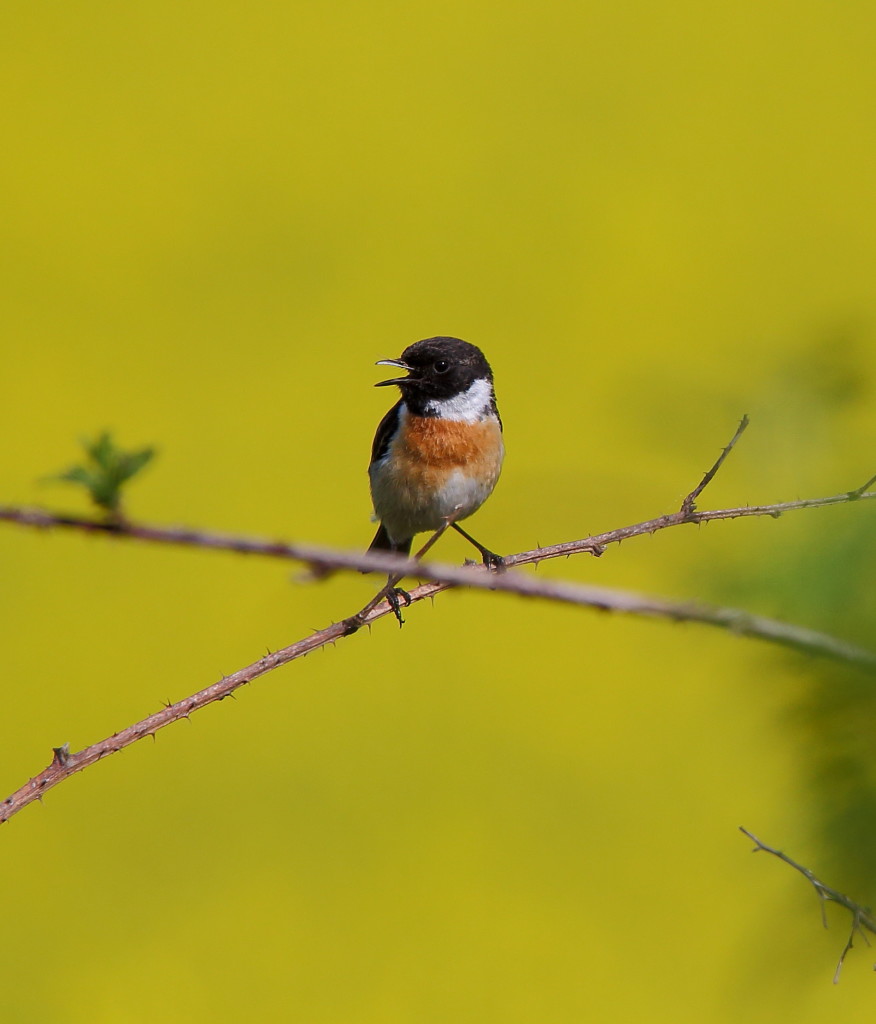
(382, 542)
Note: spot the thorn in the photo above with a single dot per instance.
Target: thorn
(62, 755)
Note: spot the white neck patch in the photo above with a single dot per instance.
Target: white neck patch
(468, 407)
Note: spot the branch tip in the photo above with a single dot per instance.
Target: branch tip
(688, 506)
(861, 915)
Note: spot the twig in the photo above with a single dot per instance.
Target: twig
(650, 526)
(65, 764)
(862, 919)
(321, 558)
(859, 493)
(689, 503)
(603, 598)
(742, 623)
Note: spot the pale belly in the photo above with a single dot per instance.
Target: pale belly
(413, 493)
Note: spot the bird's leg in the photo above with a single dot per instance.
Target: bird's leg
(395, 596)
(491, 559)
(432, 539)
(393, 592)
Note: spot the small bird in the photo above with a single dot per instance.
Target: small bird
(438, 452)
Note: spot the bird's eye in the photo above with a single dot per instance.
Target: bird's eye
(442, 366)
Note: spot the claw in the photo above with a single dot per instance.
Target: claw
(392, 596)
(493, 561)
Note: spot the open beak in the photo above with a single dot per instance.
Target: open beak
(395, 380)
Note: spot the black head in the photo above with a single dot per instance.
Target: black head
(438, 369)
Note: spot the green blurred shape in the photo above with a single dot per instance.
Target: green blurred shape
(106, 470)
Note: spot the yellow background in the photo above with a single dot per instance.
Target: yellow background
(652, 218)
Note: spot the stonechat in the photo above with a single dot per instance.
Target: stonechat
(438, 452)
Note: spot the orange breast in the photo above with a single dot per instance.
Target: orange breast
(430, 445)
(437, 468)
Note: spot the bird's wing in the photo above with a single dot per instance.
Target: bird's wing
(385, 432)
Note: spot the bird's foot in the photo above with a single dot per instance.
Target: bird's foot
(494, 562)
(395, 596)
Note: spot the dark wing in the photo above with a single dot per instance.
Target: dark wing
(385, 432)
(498, 417)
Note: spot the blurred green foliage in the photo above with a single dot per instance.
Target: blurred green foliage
(820, 574)
(106, 470)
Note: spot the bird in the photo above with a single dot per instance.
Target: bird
(438, 452)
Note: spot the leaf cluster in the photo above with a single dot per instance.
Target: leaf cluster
(105, 471)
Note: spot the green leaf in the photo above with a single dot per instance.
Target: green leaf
(101, 450)
(74, 475)
(106, 468)
(133, 462)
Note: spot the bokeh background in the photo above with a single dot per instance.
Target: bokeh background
(653, 218)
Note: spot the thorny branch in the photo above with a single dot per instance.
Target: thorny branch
(862, 917)
(440, 578)
(689, 503)
(320, 559)
(323, 558)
